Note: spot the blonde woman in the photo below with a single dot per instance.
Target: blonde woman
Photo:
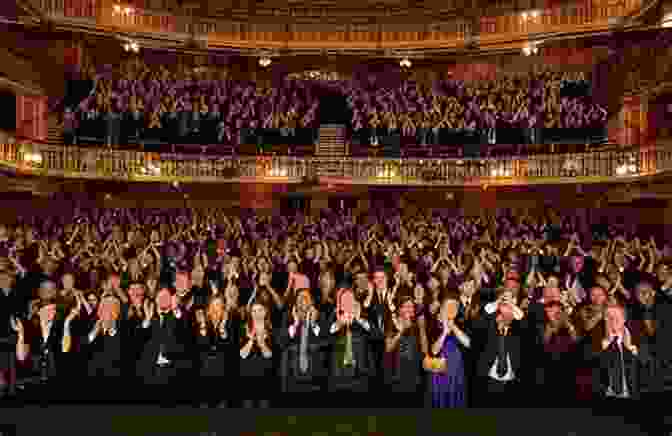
(256, 363)
(216, 330)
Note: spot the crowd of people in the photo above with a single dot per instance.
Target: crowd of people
(528, 101)
(139, 102)
(433, 310)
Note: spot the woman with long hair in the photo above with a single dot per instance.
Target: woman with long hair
(216, 339)
(256, 354)
(405, 348)
(448, 344)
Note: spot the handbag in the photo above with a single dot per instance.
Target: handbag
(437, 365)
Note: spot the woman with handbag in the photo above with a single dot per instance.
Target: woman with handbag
(446, 363)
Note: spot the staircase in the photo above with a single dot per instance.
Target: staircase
(332, 141)
(331, 149)
(54, 131)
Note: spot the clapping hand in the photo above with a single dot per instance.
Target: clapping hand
(149, 309)
(17, 325)
(74, 312)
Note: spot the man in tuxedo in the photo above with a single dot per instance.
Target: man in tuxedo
(164, 338)
(499, 366)
(620, 358)
(378, 313)
(302, 363)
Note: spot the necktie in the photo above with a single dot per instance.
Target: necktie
(348, 359)
(303, 347)
(501, 353)
(618, 370)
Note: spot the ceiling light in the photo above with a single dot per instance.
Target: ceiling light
(405, 63)
(265, 61)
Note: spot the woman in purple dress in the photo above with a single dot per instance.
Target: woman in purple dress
(448, 388)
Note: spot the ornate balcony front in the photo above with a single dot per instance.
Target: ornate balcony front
(135, 166)
(285, 29)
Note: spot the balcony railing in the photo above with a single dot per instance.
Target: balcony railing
(137, 166)
(591, 16)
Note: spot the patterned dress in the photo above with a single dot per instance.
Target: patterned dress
(448, 389)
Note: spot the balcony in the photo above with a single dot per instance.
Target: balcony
(507, 30)
(611, 166)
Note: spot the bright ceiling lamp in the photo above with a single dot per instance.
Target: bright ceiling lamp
(264, 61)
(405, 63)
(530, 49)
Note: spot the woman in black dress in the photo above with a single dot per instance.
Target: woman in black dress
(405, 347)
(256, 354)
(216, 341)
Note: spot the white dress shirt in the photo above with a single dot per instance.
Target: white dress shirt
(294, 327)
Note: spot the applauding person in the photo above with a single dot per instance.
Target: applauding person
(448, 385)
(405, 347)
(256, 366)
(164, 338)
(302, 364)
(352, 362)
(217, 340)
(106, 348)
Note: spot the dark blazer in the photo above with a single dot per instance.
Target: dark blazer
(486, 330)
(174, 337)
(289, 363)
(365, 367)
(633, 367)
(50, 352)
(108, 356)
(7, 335)
(218, 357)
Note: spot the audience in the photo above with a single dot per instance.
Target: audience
(434, 310)
(139, 103)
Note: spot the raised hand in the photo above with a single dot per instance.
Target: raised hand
(149, 309)
(17, 326)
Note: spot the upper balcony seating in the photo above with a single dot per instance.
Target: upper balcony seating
(154, 109)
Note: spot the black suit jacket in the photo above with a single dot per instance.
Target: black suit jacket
(362, 353)
(289, 363)
(174, 337)
(633, 366)
(49, 352)
(486, 330)
(108, 356)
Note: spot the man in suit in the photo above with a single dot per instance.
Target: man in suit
(43, 342)
(352, 363)
(106, 349)
(499, 366)
(302, 363)
(620, 358)
(164, 338)
(8, 308)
